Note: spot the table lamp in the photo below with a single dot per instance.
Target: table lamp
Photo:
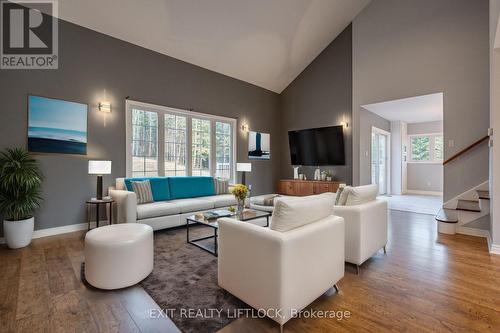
(99, 168)
(243, 168)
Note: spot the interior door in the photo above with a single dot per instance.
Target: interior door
(379, 160)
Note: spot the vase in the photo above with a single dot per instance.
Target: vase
(241, 206)
(18, 233)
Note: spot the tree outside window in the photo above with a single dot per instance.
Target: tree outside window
(426, 148)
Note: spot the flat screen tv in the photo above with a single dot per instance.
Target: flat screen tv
(317, 146)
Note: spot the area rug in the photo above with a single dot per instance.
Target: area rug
(423, 204)
(184, 283)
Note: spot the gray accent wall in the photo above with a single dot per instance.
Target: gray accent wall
(94, 66)
(367, 120)
(404, 48)
(321, 96)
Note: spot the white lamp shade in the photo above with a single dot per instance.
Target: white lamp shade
(244, 167)
(99, 167)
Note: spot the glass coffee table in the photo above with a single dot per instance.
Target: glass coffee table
(247, 215)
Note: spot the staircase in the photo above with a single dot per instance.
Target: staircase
(467, 213)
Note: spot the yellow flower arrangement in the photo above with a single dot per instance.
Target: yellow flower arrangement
(240, 191)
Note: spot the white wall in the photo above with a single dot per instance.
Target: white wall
(425, 127)
(495, 124)
(423, 176)
(397, 158)
(404, 48)
(426, 177)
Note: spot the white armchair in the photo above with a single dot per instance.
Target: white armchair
(126, 205)
(283, 271)
(365, 230)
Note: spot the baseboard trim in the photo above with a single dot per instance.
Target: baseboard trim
(495, 249)
(60, 230)
(473, 232)
(492, 248)
(424, 192)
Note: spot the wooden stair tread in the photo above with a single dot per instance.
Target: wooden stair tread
(469, 210)
(447, 215)
(483, 194)
(468, 205)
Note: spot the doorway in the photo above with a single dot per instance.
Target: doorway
(380, 160)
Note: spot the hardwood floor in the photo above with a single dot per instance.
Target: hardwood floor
(425, 283)
(41, 290)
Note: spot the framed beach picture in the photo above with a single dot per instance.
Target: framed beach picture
(56, 126)
(259, 146)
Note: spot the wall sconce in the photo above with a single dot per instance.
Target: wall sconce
(344, 123)
(244, 127)
(105, 106)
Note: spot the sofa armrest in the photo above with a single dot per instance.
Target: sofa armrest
(365, 229)
(280, 270)
(126, 205)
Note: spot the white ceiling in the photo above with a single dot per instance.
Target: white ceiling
(410, 110)
(264, 42)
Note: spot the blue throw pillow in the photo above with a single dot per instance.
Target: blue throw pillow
(191, 187)
(159, 187)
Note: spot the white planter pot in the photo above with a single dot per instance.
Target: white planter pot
(18, 233)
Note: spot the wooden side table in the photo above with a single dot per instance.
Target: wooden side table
(91, 203)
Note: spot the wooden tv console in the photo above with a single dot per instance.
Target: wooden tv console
(299, 187)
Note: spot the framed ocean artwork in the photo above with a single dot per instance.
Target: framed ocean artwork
(56, 126)
(259, 146)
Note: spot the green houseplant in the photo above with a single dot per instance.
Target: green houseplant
(20, 182)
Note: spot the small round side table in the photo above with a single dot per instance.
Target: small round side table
(107, 202)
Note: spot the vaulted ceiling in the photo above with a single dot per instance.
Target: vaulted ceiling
(263, 42)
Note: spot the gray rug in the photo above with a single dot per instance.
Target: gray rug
(185, 277)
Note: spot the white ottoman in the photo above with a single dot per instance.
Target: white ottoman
(118, 255)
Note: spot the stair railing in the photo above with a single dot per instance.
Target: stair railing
(463, 151)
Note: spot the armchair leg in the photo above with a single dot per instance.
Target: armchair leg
(332, 290)
(357, 269)
(385, 250)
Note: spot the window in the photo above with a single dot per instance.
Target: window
(191, 143)
(426, 148)
(200, 147)
(438, 148)
(223, 148)
(175, 145)
(144, 143)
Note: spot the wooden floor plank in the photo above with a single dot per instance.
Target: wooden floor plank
(10, 269)
(62, 277)
(425, 283)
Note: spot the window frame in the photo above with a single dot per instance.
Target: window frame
(432, 144)
(161, 111)
(175, 143)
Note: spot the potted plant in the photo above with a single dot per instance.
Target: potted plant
(20, 182)
(240, 192)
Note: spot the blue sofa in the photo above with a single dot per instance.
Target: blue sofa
(175, 198)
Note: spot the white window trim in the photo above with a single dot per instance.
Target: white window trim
(161, 111)
(432, 159)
